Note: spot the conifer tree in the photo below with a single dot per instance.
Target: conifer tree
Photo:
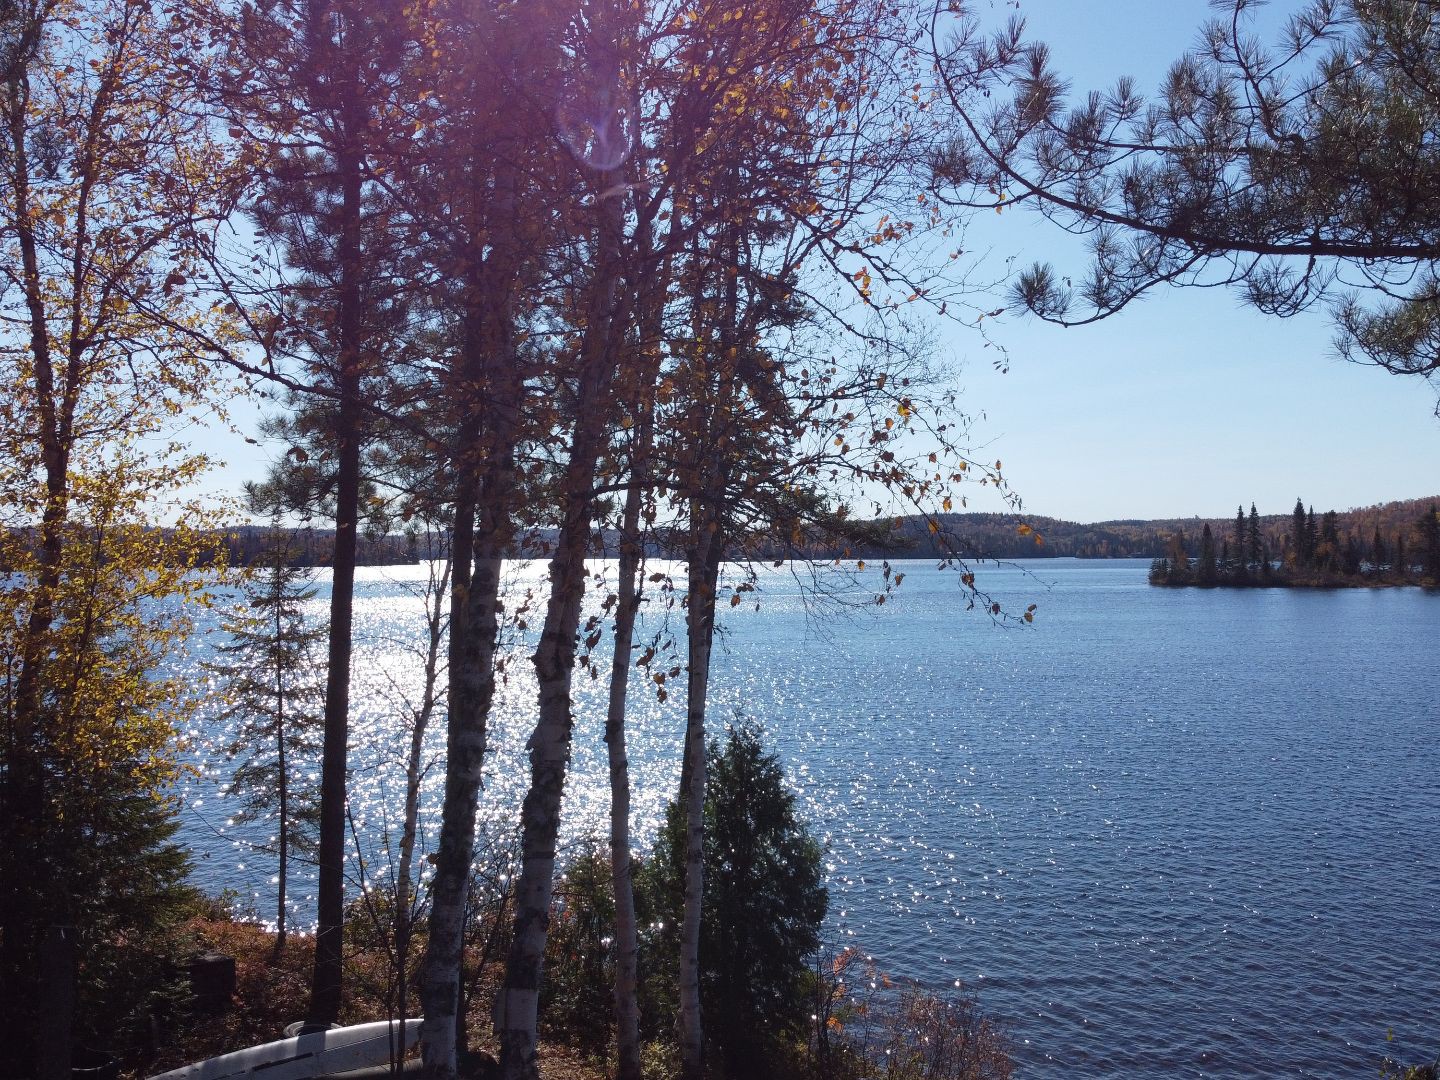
(1179, 560)
(1300, 172)
(765, 899)
(1256, 553)
(1328, 551)
(276, 699)
(1239, 567)
(1205, 573)
(306, 85)
(1297, 533)
(1352, 556)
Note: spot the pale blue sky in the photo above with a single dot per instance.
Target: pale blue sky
(1186, 403)
(1189, 402)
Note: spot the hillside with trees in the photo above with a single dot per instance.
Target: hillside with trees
(1015, 536)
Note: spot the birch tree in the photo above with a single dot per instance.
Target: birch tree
(486, 112)
(752, 126)
(600, 138)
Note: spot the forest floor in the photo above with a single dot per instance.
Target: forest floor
(272, 989)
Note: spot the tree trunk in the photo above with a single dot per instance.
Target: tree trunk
(478, 549)
(485, 493)
(702, 574)
(325, 987)
(25, 910)
(629, 589)
(282, 778)
(405, 874)
(627, 1007)
(554, 659)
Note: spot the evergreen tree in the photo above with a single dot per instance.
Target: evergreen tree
(1312, 537)
(1352, 557)
(1294, 171)
(276, 696)
(1297, 534)
(1257, 554)
(765, 900)
(1205, 572)
(1239, 567)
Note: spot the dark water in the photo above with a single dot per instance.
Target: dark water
(1161, 833)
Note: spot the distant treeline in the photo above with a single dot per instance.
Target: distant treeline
(1376, 536)
(243, 545)
(248, 544)
(1398, 544)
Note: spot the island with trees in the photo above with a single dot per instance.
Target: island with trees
(1309, 554)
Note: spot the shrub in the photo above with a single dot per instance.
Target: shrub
(576, 999)
(865, 1027)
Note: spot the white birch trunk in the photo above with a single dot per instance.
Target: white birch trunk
(549, 743)
(627, 1006)
(702, 574)
(484, 496)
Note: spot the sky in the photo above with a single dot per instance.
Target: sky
(1187, 403)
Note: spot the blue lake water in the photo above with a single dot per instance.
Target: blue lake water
(1161, 833)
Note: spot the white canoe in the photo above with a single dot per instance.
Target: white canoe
(320, 1053)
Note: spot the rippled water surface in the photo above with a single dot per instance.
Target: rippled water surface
(1162, 833)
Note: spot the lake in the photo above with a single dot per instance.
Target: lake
(1160, 832)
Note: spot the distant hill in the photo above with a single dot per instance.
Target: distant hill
(1014, 536)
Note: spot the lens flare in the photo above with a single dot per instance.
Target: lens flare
(596, 116)
(598, 127)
